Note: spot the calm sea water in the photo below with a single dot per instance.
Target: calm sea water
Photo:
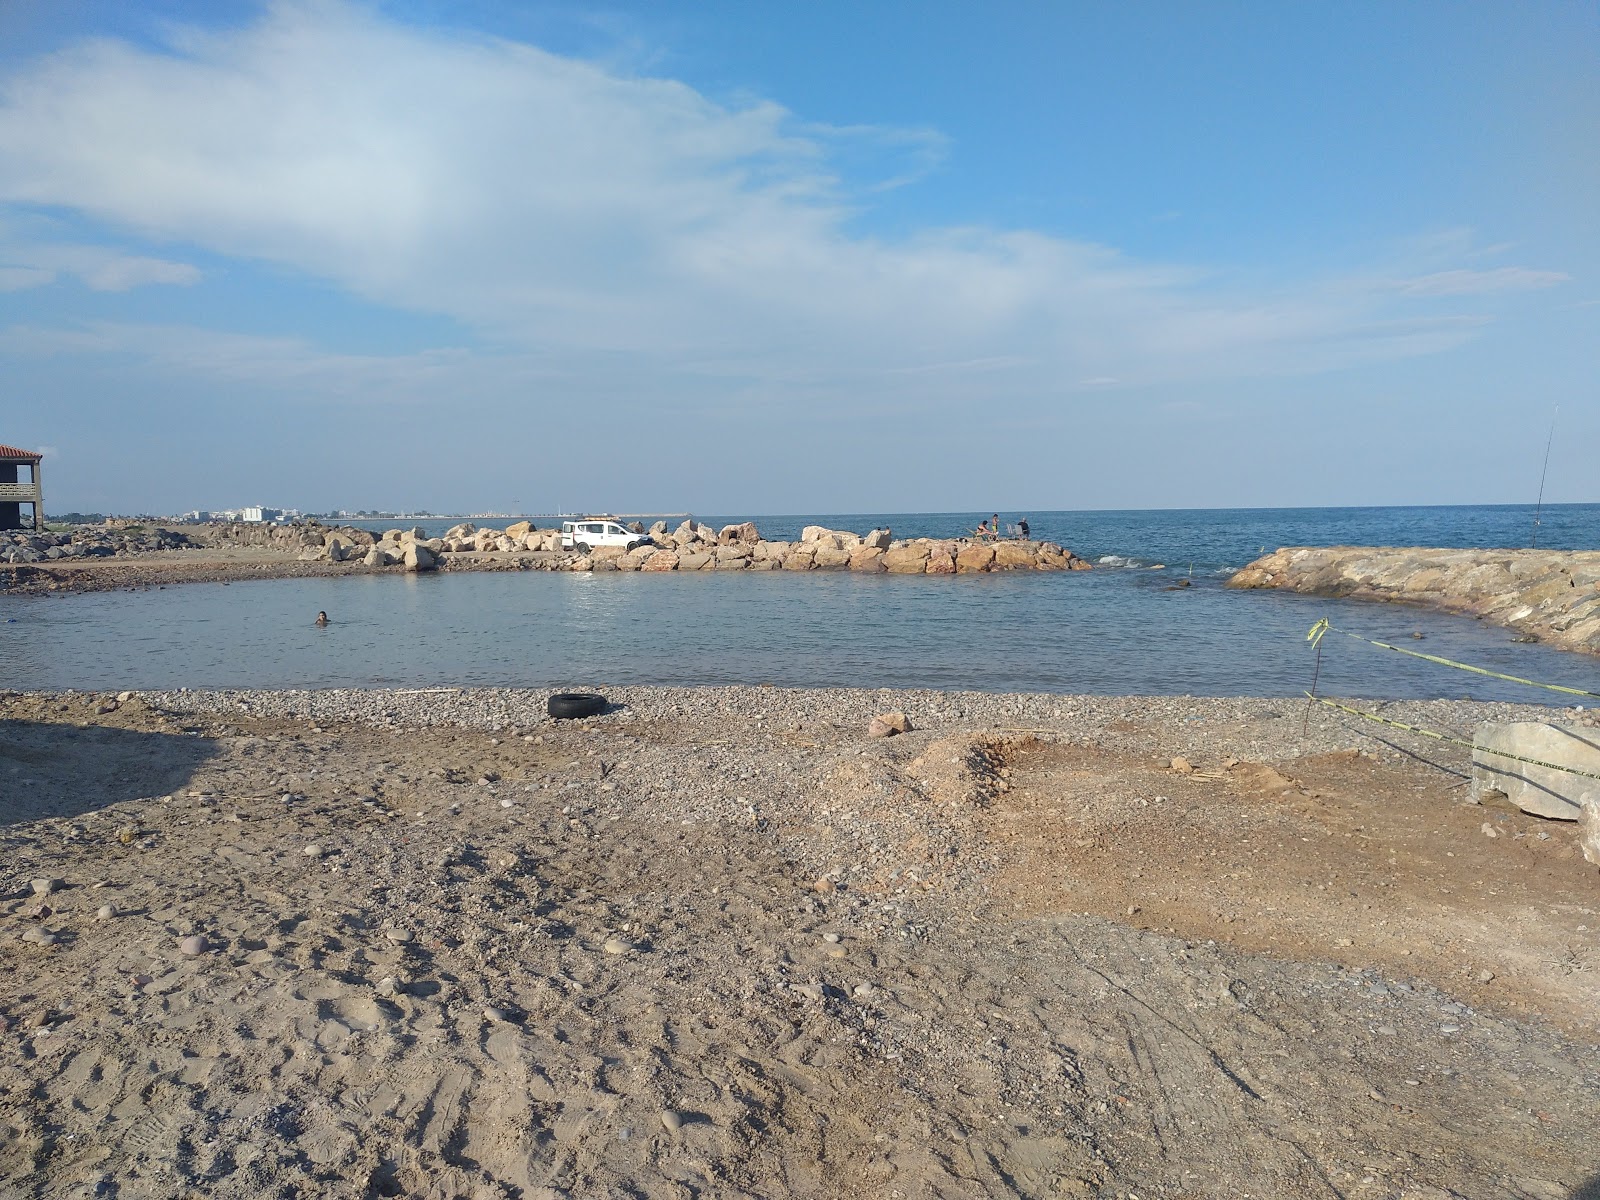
(1115, 630)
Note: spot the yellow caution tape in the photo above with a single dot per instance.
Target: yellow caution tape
(1454, 741)
(1322, 627)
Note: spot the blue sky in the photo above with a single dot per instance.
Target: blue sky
(775, 258)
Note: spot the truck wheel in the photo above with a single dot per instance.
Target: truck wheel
(582, 547)
(567, 705)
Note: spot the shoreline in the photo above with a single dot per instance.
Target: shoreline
(430, 942)
(1547, 595)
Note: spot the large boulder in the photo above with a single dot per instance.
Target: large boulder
(800, 558)
(338, 549)
(866, 560)
(974, 558)
(378, 556)
(662, 560)
(1589, 827)
(1010, 556)
(658, 530)
(909, 559)
(734, 552)
(878, 539)
(1543, 791)
(776, 551)
(695, 560)
(464, 530)
(418, 558)
(519, 530)
(831, 557)
(744, 534)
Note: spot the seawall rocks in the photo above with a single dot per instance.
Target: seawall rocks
(76, 561)
(1553, 595)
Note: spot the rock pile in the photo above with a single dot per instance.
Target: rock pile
(692, 546)
(89, 541)
(1549, 595)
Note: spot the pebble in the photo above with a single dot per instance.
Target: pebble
(616, 945)
(1485, 976)
(40, 936)
(105, 912)
(1182, 765)
(43, 887)
(831, 938)
(312, 851)
(127, 833)
(193, 944)
(400, 936)
(671, 1121)
(825, 887)
(387, 986)
(507, 804)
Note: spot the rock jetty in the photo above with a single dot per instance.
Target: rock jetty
(692, 546)
(1549, 595)
(89, 541)
(94, 558)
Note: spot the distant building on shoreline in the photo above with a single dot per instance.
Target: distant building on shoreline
(14, 493)
(250, 514)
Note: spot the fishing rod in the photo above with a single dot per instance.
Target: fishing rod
(1539, 507)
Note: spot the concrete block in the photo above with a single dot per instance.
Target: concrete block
(1543, 791)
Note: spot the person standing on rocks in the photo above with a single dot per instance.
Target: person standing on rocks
(1022, 528)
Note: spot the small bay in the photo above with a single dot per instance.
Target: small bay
(1124, 628)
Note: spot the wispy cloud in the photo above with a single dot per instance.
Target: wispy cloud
(28, 263)
(584, 218)
(1481, 283)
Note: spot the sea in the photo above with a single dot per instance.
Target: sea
(1124, 628)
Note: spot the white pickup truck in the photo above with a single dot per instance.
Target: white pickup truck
(590, 533)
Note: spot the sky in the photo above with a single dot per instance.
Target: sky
(749, 257)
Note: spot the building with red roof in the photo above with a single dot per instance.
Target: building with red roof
(14, 493)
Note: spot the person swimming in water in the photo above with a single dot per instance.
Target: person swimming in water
(322, 618)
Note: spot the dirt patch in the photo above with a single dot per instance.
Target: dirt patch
(724, 944)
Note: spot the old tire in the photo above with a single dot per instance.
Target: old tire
(567, 705)
(582, 547)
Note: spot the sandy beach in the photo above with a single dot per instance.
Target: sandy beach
(720, 942)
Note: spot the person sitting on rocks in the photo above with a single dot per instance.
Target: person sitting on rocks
(322, 618)
(983, 531)
(1022, 528)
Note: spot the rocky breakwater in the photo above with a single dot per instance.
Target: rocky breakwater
(89, 541)
(410, 549)
(1550, 595)
(697, 547)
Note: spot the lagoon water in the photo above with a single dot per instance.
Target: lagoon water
(1115, 630)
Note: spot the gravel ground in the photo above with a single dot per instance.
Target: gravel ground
(721, 942)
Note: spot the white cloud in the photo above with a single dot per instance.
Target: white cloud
(20, 279)
(589, 218)
(1481, 283)
(24, 265)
